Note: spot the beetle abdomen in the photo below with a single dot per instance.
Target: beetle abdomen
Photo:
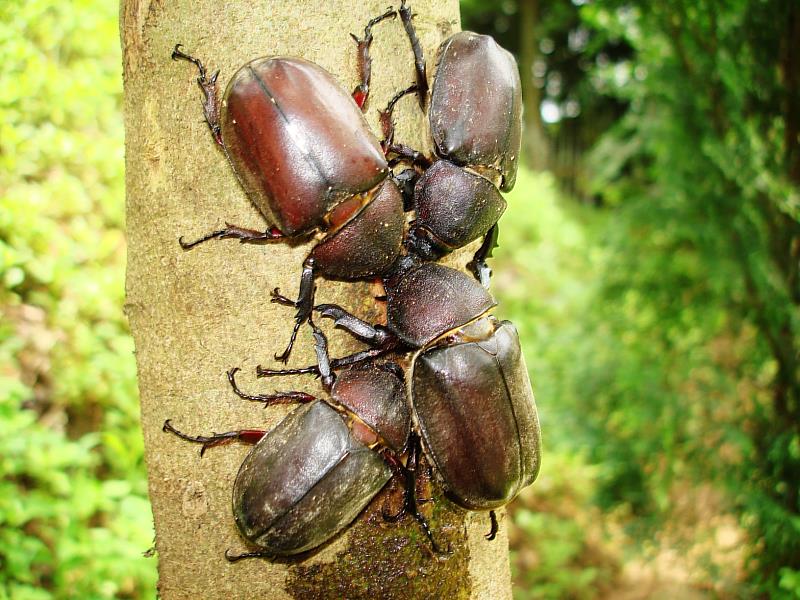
(476, 105)
(478, 419)
(305, 481)
(297, 141)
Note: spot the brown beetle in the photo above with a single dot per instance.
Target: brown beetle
(474, 110)
(309, 162)
(305, 480)
(467, 382)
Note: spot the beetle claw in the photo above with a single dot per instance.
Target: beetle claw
(278, 298)
(281, 358)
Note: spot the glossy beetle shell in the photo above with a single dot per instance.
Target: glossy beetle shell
(305, 481)
(431, 300)
(378, 397)
(478, 419)
(456, 206)
(476, 106)
(297, 141)
(368, 244)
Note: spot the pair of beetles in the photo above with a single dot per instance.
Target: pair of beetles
(455, 388)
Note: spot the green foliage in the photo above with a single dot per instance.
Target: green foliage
(74, 515)
(694, 372)
(664, 322)
(543, 276)
(558, 548)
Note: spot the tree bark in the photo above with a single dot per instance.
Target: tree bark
(195, 314)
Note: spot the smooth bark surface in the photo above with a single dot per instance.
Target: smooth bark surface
(195, 314)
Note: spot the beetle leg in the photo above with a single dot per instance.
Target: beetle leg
(323, 358)
(399, 469)
(268, 399)
(416, 47)
(237, 557)
(411, 503)
(493, 532)
(478, 265)
(387, 121)
(374, 335)
(393, 368)
(336, 363)
(211, 104)
(278, 298)
(361, 92)
(382, 340)
(248, 436)
(405, 153)
(421, 242)
(245, 236)
(401, 152)
(304, 305)
(406, 180)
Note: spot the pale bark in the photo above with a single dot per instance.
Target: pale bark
(196, 314)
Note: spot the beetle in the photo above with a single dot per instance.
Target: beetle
(304, 154)
(308, 478)
(474, 110)
(467, 382)
(280, 124)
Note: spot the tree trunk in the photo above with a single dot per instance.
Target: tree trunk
(195, 314)
(535, 145)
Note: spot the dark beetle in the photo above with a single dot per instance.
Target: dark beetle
(307, 159)
(474, 103)
(468, 385)
(474, 110)
(476, 385)
(310, 476)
